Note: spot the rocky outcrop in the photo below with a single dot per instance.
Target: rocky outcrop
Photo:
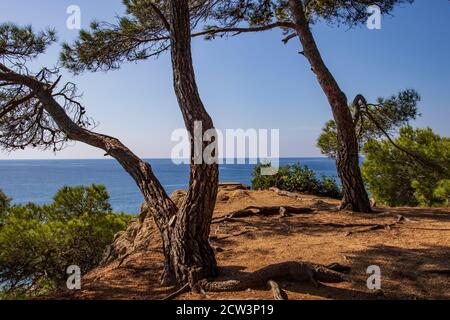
(138, 236)
(142, 232)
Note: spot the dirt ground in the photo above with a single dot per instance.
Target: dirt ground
(414, 255)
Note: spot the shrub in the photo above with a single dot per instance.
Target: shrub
(77, 201)
(5, 202)
(330, 188)
(296, 178)
(38, 243)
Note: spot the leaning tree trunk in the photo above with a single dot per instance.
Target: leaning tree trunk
(355, 194)
(191, 253)
(184, 231)
(160, 205)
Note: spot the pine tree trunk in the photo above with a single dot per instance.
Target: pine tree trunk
(191, 254)
(162, 208)
(355, 194)
(184, 230)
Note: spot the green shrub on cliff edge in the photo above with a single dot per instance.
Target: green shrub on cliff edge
(4, 202)
(38, 243)
(296, 178)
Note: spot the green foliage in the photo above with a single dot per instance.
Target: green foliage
(296, 178)
(394, 178)
(442, 192)
(76, 201)
(386, 116)
(136, 35)
(141, 33)
(330, 188)
(5, 202)
(258, 12)
(23, 121)
(349, 12)
(38, 243)
(327, 141)
(22, 43)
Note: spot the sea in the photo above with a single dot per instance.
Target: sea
(38, 180)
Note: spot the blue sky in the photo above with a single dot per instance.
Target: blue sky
(253, 80)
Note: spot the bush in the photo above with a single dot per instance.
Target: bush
(38, 243)
(77, 201)
(296, 178)
(330, 188)
(5, 202)
(395, 179)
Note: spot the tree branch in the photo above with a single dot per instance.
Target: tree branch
(359, 101)
(412, 155)
(238, 30)
(289, 37)
(14, 104)
(140, 170)
(160, 15)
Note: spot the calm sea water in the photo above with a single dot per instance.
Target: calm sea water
(38, 180)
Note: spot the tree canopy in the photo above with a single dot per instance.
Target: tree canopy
(264, 12)
(396, 179)
(142, 33)
(5, 202)
(24, 122)
(374, 121)
(20, 44)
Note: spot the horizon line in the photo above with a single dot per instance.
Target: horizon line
(150, 158)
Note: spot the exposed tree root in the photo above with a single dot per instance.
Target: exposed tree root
(320, 204)
(286, 271)
(400, 220)
(278, 293)
(438, 271)
(347, 225)
(214, 238)
(285, 193)
(282, 211)
(286, 211)
(339, 268)
(400, 217)
(177, 293)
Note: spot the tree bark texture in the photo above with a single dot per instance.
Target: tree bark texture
(355, 194)
(191, 254)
